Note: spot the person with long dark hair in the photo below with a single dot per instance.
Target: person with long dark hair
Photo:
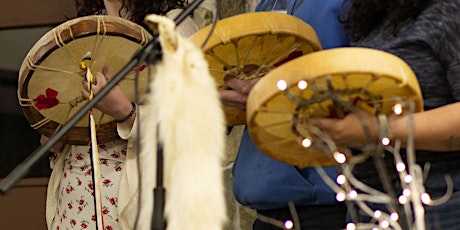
(426, 35)
(265, 184)
(70, 201)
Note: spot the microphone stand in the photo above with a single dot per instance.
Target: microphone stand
(150, 52)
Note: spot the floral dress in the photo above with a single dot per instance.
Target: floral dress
(75, 200)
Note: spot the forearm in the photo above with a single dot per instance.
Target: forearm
(128, 130)
(433, 130)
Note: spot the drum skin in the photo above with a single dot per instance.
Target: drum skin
(53, 65)
(368, 79)
(252, 44)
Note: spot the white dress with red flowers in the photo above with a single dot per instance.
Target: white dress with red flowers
(75, 200)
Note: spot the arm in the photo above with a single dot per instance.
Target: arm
(434, 130)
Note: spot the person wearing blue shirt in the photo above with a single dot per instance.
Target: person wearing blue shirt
(267, 185)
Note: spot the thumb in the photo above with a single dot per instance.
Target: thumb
(105, 72)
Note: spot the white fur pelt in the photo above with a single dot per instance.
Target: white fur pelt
(185, 104)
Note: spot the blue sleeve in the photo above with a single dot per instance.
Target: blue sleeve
(322, 15)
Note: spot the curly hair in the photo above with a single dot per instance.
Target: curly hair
(364, 15)
(137, 8)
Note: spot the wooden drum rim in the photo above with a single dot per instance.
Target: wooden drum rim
(269, 128)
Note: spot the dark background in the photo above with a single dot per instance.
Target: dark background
(18, 140)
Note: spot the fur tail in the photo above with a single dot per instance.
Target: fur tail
(185, 103)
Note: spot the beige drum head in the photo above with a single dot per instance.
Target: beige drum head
(369, 79)
(51, 73)
(251, 45)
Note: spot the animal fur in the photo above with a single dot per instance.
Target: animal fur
(185, 104)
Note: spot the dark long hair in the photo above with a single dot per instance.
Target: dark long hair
(365, 15)
(138, 8)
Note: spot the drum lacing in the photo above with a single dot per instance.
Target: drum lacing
(265, 66)
(32, 66)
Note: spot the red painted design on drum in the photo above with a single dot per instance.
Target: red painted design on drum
(139, 68)
(48, 101)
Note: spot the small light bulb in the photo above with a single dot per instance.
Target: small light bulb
(351, 226)
(302, 84)
(385, 141)
(306, 142)
(341, 179)
(340, 157)
(340, 196)
(377, 214)
(402, 199)
(425, 197)
(400, 166)
(408, 178)
(282, 85)
(406, 192)
(353, 194)
(397, 109)
(394, 216)
(385, 224)
(288, 224)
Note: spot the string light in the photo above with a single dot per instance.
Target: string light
(353, 194)
(288, 224)
(425, 197)
(385, 224)
(400, 166)
(394, 216)
(406, 192)
(408, 178)
(340, 157)
(348, 186)
(397, 109)
(351, 226)
(302, 84)
(377, 214)
(341, 179)
(306, 142)
(340, 196)
(385, 141)
(282, 85)
(402, 199)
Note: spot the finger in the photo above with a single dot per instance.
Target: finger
(101, 79)
(240, 85)
(84, 93)
(319, 123)
(105, 72)
(233, 98)
(84, 83)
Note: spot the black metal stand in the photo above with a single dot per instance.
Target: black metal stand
(159, 192)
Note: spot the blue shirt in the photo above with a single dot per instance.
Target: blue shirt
(260, 182)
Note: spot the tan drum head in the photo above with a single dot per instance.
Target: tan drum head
(369, 79)
(251, 45)
(53, 65)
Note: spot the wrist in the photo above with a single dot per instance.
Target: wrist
(128, 116)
